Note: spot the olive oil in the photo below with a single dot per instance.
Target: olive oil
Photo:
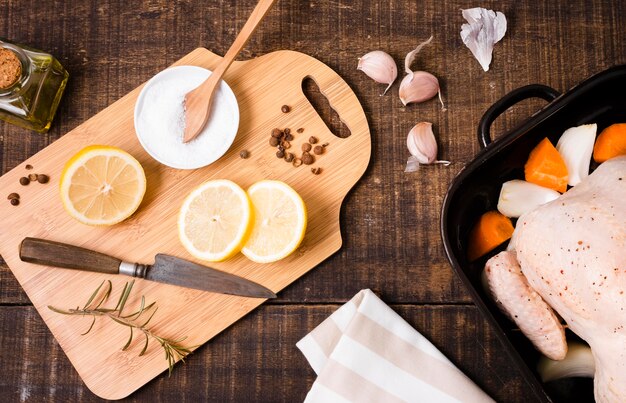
(30, 98)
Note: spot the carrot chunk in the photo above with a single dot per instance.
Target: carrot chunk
(546, 167)
(491, 230)
(610, 143)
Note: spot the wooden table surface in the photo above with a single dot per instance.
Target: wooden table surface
(390, 221)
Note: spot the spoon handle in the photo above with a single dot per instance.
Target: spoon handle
(244, 35)
(200, 99)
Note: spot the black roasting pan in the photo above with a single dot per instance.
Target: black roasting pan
(600, 99)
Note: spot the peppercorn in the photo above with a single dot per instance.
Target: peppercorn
(316, 171)
(312, 139)
(280, 153)
(306, 147)
(289, 157)
(28, 166)
(24, 181)
(274, 141)
(41, 178)
(300, 130)
(13, 196)
(285, 144)
(15, 202)
(287, 131)
(289, 137)
(32, 177)
(244, 154)
(285, 109)
(307, 159)
(297, 162)
(318, 150)
(277, 133)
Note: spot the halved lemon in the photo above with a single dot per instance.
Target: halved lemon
(215, 220)
(280, 220)
(102, 185)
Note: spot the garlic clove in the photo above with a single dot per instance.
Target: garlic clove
(422, 146)
(418, 86)
(576, 147)
(380, 67)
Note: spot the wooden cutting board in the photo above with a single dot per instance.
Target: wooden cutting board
(261, 86)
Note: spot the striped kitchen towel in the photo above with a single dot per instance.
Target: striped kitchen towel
(365, 352)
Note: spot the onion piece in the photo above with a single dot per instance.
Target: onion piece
(577, 363)
(518, 197)
(576, 147)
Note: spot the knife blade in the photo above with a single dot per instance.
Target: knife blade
(166, 269)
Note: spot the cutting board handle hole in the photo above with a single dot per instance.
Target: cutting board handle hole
(324, 109)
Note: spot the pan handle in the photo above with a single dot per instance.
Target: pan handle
(507, 101)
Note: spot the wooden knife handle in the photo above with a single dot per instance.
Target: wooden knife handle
(49, 253)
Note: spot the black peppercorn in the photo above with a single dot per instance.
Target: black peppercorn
(318, 150)
(15, 202)
(280, 154)
(13, 196)
(277, 133)
(285, 109)
(24, 181)
(316, 171)
(289, 157)
(312, 139)
(306, 147)
(274, 141)
(244, 154)
(289, 137)
(41, 178)
(307, 159)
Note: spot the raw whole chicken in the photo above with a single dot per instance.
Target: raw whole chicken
(572, 256)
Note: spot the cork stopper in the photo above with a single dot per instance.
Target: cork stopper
(10, 68)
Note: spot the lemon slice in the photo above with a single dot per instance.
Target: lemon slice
(279, 222)
(215, 220)
(102, 185)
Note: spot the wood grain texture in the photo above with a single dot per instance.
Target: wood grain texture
(389, 221)
(243, 364)
(258, 85)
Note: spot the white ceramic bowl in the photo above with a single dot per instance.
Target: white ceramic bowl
(161, 136)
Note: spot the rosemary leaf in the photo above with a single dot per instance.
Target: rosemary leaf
(130, 339)
(145, 346)
(90, 327)
(150, 318)
(93, 295)
(124, 297)
(57, 310)
(106, 294)
(119, 301)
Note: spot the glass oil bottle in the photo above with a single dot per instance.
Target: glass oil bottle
(31, 85)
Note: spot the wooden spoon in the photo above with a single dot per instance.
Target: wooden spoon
(198, 101)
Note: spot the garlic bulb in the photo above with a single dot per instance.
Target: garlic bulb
(576, 147)
(418, 86)
(380, 67)
(518, 197)
(422, 146)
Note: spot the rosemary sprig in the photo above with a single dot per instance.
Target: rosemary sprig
(136, 320)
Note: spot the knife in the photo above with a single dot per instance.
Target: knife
(166, 269)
